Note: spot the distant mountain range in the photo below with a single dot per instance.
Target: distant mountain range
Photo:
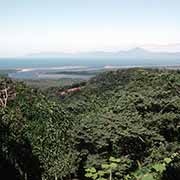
(130, 54)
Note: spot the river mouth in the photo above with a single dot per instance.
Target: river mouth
(73, 72)
(69, 72)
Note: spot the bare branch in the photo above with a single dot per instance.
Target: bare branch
(5, 95)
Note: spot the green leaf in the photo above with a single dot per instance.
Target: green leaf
(102, 173)
(112, 159)
(105, 166)
(94, 176)
(159, 167)
(141, 172)
(167, 160)
(92, 170)
(113, 165)
(88, 175)
(148, 177)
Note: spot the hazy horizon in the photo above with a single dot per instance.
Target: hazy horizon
(93, 25)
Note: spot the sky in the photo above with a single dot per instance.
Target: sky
(33, 26)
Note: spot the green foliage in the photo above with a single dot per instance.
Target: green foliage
(41, 125)
(131, 114)
(106, 169)
(152, 171)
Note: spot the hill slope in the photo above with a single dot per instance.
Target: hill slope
(128, 114)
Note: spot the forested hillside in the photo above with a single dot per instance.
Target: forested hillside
(123, 124)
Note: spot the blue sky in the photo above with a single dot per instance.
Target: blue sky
(28, 26)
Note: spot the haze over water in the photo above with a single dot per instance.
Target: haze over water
(37, 68)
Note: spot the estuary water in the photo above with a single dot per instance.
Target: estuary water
(46, 68)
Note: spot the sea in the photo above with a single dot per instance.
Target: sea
(37, 68)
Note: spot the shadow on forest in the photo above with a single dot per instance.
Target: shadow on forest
(18, 163)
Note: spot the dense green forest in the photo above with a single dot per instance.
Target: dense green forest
(121, 125)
